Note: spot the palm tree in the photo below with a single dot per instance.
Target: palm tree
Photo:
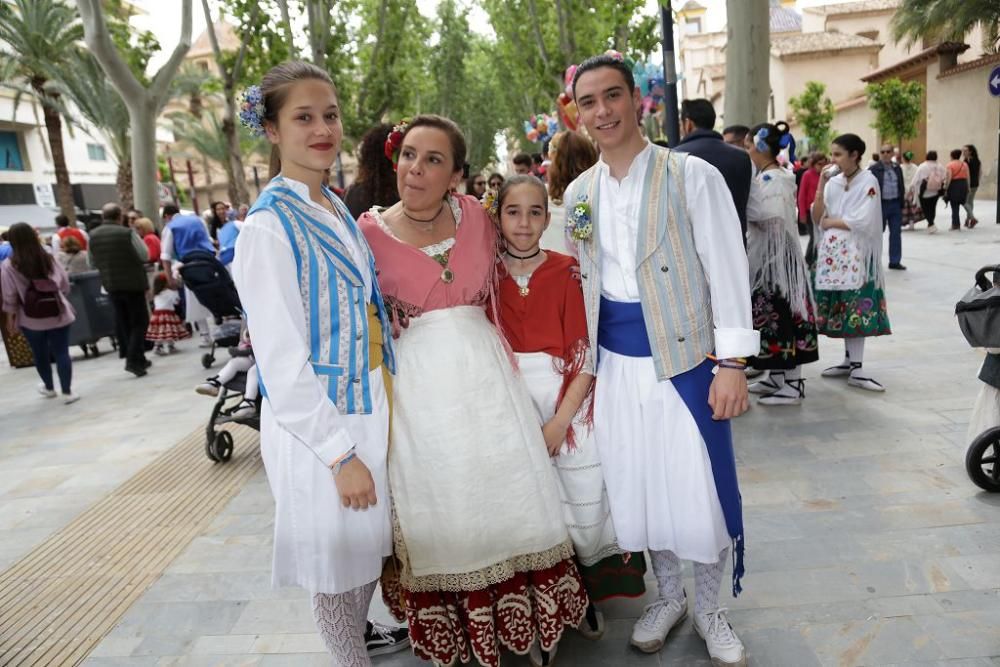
(83, 83)
(207, 140)
(195, 84)
(947, 20)
(42, 35)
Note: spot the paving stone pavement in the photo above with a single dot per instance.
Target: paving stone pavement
(866, 542)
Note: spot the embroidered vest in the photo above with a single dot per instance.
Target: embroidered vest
(673, 290)
(333, 297)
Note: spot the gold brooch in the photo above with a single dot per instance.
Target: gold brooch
(447, 276)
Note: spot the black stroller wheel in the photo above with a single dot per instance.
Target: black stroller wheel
(223, 446)
(207, 360)
(210, 449)
(982, 461)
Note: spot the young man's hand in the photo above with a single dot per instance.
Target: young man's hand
(728, 396)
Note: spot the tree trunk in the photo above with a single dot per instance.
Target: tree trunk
(123, 182)
(53, 128)
(747, 62)
(237, 174)
(142, 115)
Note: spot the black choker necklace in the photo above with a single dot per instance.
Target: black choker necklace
(424, 221)
(534, 254)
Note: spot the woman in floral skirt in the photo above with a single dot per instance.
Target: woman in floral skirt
(849, 289)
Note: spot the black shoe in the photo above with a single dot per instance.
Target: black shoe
(147, 363)
(138, 372)
(381, 639)
(897, 267)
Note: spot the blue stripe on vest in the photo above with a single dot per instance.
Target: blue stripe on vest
(621, 330)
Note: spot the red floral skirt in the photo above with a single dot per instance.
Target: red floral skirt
(452, 627)
(166, 325)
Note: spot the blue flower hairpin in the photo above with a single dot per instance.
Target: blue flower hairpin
(252, 110)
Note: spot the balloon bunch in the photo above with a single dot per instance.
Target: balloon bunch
(649, 79)
(568, 113)
(541, 127)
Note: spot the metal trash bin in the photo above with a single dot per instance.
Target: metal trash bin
(95, 314)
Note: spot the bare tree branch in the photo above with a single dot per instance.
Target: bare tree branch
(363, 93)
(98, 40)
(287, 27)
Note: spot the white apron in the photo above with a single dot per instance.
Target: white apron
(471, 481)
(585, 506)
(319, 544)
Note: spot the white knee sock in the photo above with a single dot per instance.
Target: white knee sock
(707, 579)
(667, 568)
(337, 617)
(855, 350)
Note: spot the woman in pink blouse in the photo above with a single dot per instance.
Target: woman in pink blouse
(484, 558)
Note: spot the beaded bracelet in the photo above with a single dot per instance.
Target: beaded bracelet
(736, 363)
(336, 467)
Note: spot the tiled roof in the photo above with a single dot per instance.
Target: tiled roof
(855, 7)
(812, 42)
(985, 61)
(784, 19)
(224, 32)
(691, 5)
(915, 60)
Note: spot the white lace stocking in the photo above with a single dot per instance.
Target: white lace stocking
(707, 579)
(341, 619)
(667, 568)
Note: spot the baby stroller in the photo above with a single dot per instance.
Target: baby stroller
(211, 283)
(979, 318)
(227, 410)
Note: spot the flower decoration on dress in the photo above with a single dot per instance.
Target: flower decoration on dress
(489, 202)
(395, 140)
(581, 226)
(252, 110)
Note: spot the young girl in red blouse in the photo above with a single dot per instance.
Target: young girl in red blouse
(542, 315)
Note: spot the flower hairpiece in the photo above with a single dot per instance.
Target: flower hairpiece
(490, 202)
(394, 141)
(581, 227)
(252, 110)
(759, 138)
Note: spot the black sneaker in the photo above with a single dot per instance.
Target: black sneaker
(382, 639)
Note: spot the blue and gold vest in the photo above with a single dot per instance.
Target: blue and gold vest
(333, 296)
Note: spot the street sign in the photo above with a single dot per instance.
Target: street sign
(44, 195)
(994, 82)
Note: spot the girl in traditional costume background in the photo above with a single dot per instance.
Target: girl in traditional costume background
(307, 282)
(485, 560)
(783, 306)
(850, 289)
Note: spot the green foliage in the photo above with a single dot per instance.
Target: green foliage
(947, 20)
(206, 138)
(41, 36)
(814, 112)
(897, 107)
(135, 46)
(267, 46)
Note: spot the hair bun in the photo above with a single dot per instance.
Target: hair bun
(782, 127)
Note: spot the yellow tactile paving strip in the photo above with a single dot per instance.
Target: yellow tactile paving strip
(60, 600)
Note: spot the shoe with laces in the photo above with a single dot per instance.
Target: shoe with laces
(724, 647)
(539, 658)
(209, 387)
(381, 639)
(45, 392)
(656, 622)
(791, 393)
(245, 410)
(866, 383)
(839, 371)
(768, 385)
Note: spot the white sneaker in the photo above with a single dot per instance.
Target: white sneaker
(932, 229)
(70, 398)
(868, 384)
(655, 624)
(839, 371)
(209, 387)
(539, 659)
(205, 342)
(724, 647)
(767, 386)
(159, 351)
(46, 393)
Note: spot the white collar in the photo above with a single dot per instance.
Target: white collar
(638, 162)
(302, 190)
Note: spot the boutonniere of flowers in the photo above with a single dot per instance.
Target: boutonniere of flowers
(394, 141)
(872, 192)
(252, 110)
(580, 223)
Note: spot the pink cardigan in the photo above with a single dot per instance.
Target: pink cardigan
(14, 285)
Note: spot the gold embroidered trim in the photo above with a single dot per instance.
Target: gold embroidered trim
(480, 579)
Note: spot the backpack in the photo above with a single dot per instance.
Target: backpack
(41, 299)
(935, 180)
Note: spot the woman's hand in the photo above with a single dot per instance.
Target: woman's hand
(355, 485)
(10, 323)
(728, 396)
(554, 433)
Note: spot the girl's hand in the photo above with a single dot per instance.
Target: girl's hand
(554, 434)
(355, 485)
